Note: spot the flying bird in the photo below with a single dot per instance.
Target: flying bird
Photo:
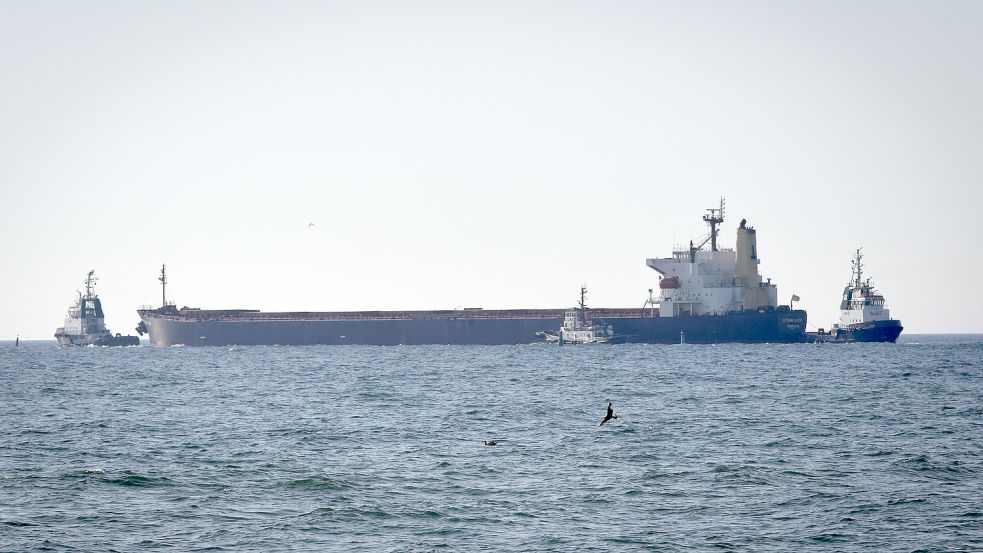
(309, 225)
(609, 416)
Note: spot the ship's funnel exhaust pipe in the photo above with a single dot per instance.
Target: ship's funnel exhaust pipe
(746, 271)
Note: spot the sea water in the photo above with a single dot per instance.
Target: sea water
(844, 447)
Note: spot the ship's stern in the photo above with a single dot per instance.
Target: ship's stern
(792, 325)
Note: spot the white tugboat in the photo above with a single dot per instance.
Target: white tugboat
(85, 324)
(579, 329)
(864, 317)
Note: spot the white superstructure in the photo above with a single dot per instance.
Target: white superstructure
(85, 317)
(85, 324)
(579, 329)
(716, 281)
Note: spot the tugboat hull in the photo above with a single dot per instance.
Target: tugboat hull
(873, 331)
(107, 340)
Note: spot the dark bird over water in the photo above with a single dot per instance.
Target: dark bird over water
(609, 416)
(493, 442)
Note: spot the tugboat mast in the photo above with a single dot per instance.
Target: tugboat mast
(90, 282)
(858, 268)
(583, 304)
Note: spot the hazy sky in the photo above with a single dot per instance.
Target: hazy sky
(489, 154)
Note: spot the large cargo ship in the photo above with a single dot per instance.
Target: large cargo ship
(707, 295)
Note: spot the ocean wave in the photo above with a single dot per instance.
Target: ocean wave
(130, 479)
(320, 483)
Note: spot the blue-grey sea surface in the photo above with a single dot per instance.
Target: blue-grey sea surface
(733, 447)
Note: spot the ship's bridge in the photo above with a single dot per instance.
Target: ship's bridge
(713, 281)
(704, 286)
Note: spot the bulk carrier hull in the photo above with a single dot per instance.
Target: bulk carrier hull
(193, 327)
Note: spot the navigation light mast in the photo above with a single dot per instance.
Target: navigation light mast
(163, 285)
(715, 218)
(90, 283)
(858, 268)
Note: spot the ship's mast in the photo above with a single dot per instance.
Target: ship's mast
(858, 268)
(715, 218)
(90, 282)
(163, 285)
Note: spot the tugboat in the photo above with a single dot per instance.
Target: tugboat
(85, 324)
(579, 329)
(863, 315)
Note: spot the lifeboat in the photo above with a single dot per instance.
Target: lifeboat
(669, 282)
